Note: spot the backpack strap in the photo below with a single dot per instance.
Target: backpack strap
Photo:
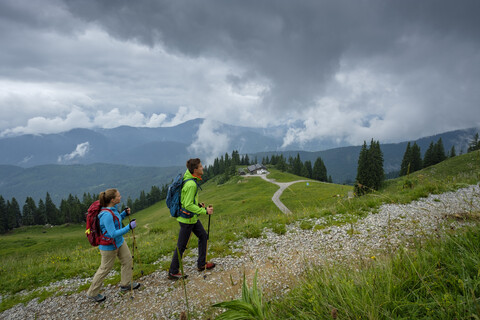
(104, 240)
(184, 213)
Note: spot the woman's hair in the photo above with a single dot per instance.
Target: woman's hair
(192, 164)
(106, 196)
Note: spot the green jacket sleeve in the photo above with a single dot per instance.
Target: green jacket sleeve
(189, 201)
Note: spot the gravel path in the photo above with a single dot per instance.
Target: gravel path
(278, 258)
(283, 186)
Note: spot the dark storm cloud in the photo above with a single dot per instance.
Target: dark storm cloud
(296, 45)
(357, 68)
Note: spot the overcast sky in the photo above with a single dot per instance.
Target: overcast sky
(346, 70)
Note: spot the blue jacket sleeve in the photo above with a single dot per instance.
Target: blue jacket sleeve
(109, 224)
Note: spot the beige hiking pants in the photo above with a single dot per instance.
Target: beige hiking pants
(108, 259)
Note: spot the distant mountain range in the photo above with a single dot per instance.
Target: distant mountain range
(134, 159)
(164, 146)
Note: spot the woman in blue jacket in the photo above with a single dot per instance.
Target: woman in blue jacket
(110, 224)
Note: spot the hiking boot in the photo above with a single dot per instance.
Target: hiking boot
(98, 298)
(176, 276)
(131, 286)
(208, 266)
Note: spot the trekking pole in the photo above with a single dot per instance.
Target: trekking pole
(206, 253)
(134, 245)
(133, 255)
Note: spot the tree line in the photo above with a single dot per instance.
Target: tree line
(412, 160)
(226, 166)
(303, 169)
(370, 173)
(71, 210)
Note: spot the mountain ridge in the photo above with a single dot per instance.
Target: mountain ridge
(137, 166)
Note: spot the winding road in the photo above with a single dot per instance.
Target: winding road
(276, 195)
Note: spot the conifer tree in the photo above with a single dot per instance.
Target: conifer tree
(474, 144)
(3, 216)
(319, 171)
(247, 160)
(416, 163)
(370, 174)
(29, 212)
(439, 151)
(65, 211)
(362, 174)
(376, 162)
(297, 165)
(13, 214)
(406, 161)
(308, 168)
(53, 214)
(281, 164)
(40, 217)
(453, 153)
(429, 158)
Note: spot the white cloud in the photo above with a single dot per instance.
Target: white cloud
(156, 120)
(80, 151)
(209, 143)
(75, 119)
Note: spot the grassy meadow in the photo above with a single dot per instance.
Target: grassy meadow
(33, 257)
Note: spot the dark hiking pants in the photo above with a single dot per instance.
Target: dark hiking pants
(183, 236)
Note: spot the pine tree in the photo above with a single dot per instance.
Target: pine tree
(416, 162)
(453, 153)
(29, 212)
(319, 171)
(406, 161)
(3, 216)
(308, 168)
(297, 165)
(361, 180)
(439, 151)
(376, 163)
(281, 164)
(65, 211)
(429, 158)
(247, 160)
(16, 211)
(53, 214)
(41, 213)
(370, 173)
(474, 144)
(13, 212)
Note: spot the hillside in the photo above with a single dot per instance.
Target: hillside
(239, 243)
(62, 180)
(342, 162)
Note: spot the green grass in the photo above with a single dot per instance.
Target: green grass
(438, 280)
(33, 257)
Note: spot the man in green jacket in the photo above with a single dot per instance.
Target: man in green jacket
(189, 221)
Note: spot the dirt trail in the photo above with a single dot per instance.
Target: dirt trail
(283, 186)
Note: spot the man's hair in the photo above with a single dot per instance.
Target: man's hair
(106, 196)
(192, 164)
